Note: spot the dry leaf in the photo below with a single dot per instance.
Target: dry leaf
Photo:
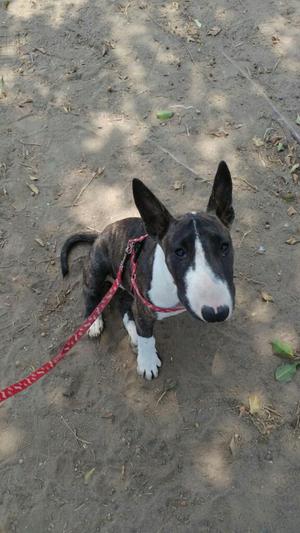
(288, 197)
(24, 102)
(242, 410)
(275, 40)
(88, 475)
(295, 178)
(234, 443)
(34, 189)
(40, 242)
(33, 178)
(255, 403)
(178, 185)
(291, 241)
(298, 120)
(266, 297)
(2, 88)
(108, 415)
(294, 167)
(219, 133)
(105, 49)
(41, 50)
(291, 211)
(258, 142)
(215, 30)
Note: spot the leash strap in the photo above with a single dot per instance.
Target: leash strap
(26, 382)
(71, 341)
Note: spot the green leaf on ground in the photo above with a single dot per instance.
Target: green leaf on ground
(285, 373)
(282, 348)
(280, 147)
(164, 115)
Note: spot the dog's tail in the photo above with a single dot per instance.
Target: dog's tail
(89, 237)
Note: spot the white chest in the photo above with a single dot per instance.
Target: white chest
(163, 291)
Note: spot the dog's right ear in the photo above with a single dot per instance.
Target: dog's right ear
(155, 215)
(220, 201)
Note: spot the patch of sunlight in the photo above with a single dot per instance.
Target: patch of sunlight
(211, 148)
(262, 311)
(10, 441)
(110, 200)
(224, 15)
(220, 101)
(287, 37)
(55, 13)
(8, 77)
(213, 465)
(55, 396)
(108, 125)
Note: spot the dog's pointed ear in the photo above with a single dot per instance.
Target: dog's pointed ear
(220, 201)
(154, 214)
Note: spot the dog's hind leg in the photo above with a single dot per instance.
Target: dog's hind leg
(95, 286)
(125, 304)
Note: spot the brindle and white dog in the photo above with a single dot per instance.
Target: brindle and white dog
(186, 260)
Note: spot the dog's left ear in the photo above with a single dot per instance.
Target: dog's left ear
(155, 215)
(220, 201)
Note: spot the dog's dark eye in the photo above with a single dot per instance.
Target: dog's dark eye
(224, 247)
(180, 252)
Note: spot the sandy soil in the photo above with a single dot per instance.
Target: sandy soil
(92, 447)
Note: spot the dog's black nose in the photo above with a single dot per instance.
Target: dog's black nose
(209, 314)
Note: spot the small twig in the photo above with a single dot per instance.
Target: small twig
(261, 91)
(182, 106)
(28, 144)
(22, 117)
(169, 386)
(162, 149)
(123, 472)
(243, 237)
(273, 411)
(190, 54)
(82, 441)
(253, 187)
(80, 506)
(187, 130)
(250, 280)
(96, 174)
(161, 397)
(43, 52)
(276, 64)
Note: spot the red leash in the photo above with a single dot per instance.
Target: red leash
(24, 383)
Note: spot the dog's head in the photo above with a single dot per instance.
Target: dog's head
(197, 246)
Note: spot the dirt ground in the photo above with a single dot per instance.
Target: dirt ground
(92, 447)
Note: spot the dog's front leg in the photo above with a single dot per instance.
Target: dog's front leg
(148, 361)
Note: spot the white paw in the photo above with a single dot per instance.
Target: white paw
(148, 361)
(96, 328)
(131, 330)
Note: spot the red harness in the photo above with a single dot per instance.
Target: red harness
(24, 383)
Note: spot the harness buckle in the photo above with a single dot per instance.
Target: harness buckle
(129, 248)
